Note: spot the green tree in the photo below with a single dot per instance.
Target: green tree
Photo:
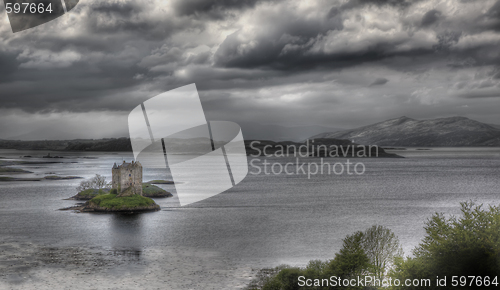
(381, 246)
(287, 279)
(362, 253)
(351, 260)
(378, 245)
(468, 245)
(96, 182)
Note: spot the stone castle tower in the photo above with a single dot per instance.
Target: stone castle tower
(127, 178)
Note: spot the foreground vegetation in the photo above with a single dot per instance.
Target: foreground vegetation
(468, 245)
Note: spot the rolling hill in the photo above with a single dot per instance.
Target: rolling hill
(407, 132)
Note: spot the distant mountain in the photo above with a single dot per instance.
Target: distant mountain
(256, 131)
(407, 132)
(495, 126)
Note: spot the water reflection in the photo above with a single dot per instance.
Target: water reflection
(126, 232)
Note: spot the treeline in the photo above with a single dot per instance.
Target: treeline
(34, 145)
(253, 147)
(119, 144)
(319, 147)
(456, 252)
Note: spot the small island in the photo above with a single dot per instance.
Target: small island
(127, 193)
(113, 202)
(160, 181)
(148, 190)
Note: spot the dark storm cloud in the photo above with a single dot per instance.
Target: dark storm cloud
(8, 65)
(289, 42)
(295, 43)
(133, 20)
(395, 3)
(275, 61)
(271, 52)
(481, 95)
(431, 17)
(97, 69)
(379, 82)
(211, 8)
(489, 20)
(447, 39)
(493, 15)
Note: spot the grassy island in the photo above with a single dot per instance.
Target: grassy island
(112, 202)
(150, 190)
(10, 170)
(57, 177)
(88, 194)
(160, 181)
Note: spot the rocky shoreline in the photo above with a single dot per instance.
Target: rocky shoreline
(90, 207)
(149, 190)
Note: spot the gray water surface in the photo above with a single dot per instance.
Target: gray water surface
(264, 220)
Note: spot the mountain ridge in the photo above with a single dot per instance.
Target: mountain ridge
(407, 132)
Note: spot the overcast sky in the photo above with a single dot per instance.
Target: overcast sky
(331, 63)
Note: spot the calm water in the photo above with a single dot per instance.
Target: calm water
(266, 219)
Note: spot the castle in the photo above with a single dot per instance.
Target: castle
(127, 178)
